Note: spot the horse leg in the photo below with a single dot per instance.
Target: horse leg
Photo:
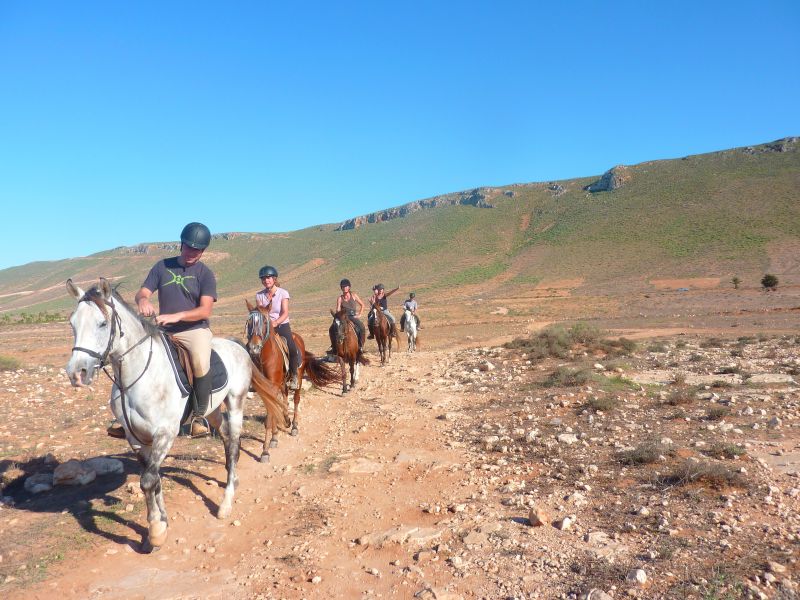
(232, 439)
(296, 414)
(151, 458)
(273, 442)
(344, 374)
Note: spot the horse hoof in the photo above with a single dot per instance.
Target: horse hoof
(264, 458)
(157, 533)
(224, 512)
(273, 443)
(295, 431)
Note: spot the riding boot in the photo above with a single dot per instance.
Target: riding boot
(201, 398)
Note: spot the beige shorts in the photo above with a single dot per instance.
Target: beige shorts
(198, 343)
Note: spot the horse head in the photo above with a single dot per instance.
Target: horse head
(95, 323)
(341, 320)
(256, 328)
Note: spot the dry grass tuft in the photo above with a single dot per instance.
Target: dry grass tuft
(712, 474)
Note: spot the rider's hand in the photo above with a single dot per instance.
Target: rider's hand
(146, 308)
(168, 319)
(274, 323)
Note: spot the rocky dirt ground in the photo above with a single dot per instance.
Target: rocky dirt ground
(668, 470)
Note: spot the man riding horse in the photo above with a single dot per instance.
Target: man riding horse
(411, 306)
(187, 290)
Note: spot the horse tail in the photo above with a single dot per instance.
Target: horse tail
(319, 372)
(271, 396)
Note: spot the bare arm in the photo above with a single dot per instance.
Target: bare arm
(143, 303)
(338, 303)
(360, 304)
(392, 292)
(284, 313)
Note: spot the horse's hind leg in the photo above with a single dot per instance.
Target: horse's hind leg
(231, 430)
(151, 458)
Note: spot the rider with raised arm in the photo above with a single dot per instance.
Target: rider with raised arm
(379, 296)
(409, 305)
(276, 299)
(349, 301)
(187, 290)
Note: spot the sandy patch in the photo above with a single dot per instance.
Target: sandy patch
(694, 283)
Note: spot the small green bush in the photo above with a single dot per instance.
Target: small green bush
(716, 413)
(770, 282)
(644, 454)
(8, 363)
(725, 450)
(682, 395)
(602, 403)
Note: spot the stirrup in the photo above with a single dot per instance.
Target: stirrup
(195, 426)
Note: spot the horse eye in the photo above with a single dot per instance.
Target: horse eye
(104, 324)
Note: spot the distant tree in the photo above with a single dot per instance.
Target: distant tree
(770, 282)
(736, 281)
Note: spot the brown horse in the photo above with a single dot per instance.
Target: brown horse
(383, 332)
(346, 348)
(263, 348)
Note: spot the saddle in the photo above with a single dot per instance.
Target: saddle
(182, 368)
(284, 348)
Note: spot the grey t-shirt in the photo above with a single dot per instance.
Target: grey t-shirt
(180, 288)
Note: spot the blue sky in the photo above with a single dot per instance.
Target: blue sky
(121, 122)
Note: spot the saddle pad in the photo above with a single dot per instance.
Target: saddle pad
(219, 374)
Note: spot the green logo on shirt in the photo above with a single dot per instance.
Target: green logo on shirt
(179, 280)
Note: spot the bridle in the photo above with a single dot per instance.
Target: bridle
(257, 324)
(116, 362)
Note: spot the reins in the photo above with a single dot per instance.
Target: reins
(116, 324)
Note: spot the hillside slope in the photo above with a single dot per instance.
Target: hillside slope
(735, 212)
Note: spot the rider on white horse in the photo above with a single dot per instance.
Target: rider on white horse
(187, 290)
(410, 305)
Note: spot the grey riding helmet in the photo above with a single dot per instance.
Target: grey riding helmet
(196, 235)
(267, 271)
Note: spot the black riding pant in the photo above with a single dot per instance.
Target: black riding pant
(285, 331)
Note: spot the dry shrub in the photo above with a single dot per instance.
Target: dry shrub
(551, 343)
(712, 474)
(715, 413)
(645, 454)
(725, 450)
(602, 403)
(566, 377)
(658, 348)
(684, 394)
(712, 343)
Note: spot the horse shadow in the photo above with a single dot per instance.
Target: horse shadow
(93, 505)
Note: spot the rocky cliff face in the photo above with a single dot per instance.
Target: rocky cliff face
(611, 180)
(478, 198)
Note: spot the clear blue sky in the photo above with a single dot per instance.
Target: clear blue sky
(120, 122)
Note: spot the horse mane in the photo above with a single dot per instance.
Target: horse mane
(149, 327)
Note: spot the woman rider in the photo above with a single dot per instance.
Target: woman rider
(379, 296)
(276, 299)
(349, 301)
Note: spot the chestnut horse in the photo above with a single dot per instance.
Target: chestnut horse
(384, 332)
(346, 348)
(263, 348)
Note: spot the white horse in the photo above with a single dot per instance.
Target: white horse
(410, 325)
(145, 397)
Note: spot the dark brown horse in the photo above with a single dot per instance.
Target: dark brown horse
(346, 348)
(263, 348)
(383, 331)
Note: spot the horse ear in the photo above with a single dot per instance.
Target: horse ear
(105, 287)
(74, 290)
(249, 306)
(333, 314)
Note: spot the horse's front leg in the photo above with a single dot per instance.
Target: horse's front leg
(151, 458)
(232, 439)
(296, 414)
(344, 374)
(273, 442)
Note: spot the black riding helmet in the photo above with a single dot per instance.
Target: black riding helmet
(412, 295)
(344, 282)
(379, 286)
(196, 235)
(267, 271)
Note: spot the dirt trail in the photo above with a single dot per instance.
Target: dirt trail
(363, 464)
